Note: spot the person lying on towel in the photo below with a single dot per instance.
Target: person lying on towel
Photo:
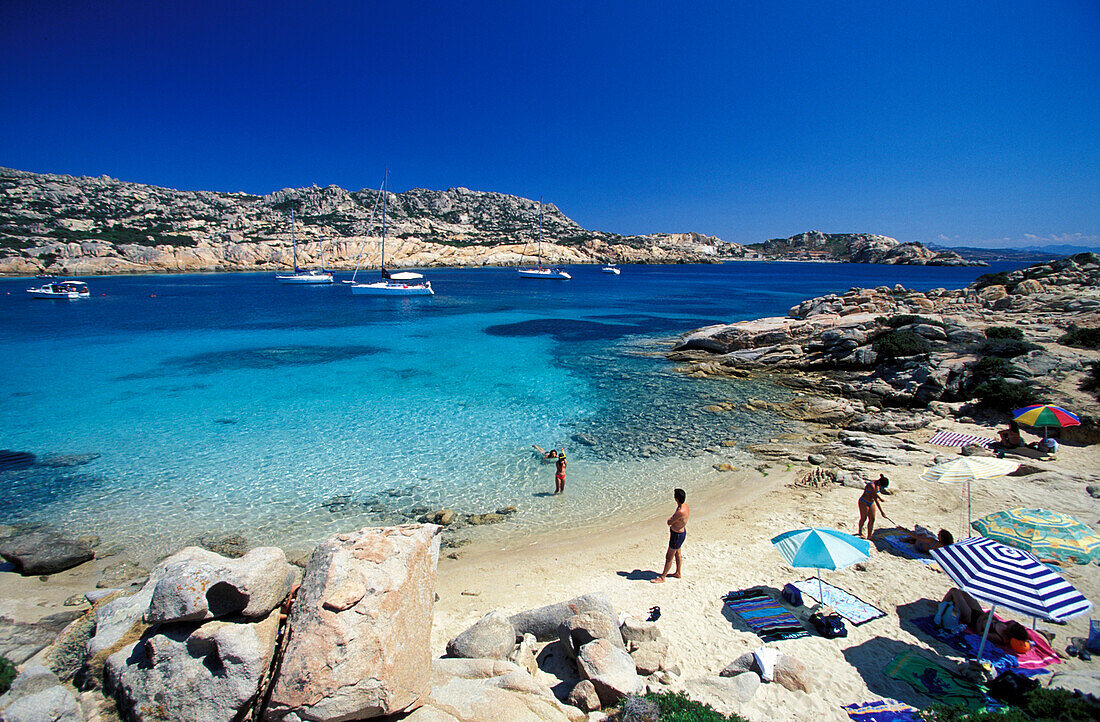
(1011, 636)
(925, 541)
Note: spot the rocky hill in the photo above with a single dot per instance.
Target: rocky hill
(80, 225)
(856, 248)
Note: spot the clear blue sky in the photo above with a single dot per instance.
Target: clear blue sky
(951, 122)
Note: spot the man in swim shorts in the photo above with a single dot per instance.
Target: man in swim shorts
(677, 532)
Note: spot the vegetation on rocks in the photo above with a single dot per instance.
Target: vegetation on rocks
(1001, 394)
(7, 674)
(672, 707)
(1082, 338)
(1004, 332)
(1039, 705)
(900, 344)
(1008, 348)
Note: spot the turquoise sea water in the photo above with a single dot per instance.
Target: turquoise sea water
(231, 404)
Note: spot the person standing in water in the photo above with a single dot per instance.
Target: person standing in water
(677, 532)
(559, 474)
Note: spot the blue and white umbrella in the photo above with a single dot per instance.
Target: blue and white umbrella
(821, 549)
(1009, 577)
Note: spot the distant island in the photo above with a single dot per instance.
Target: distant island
(68, 225)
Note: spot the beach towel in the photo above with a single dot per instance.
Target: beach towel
(847, 605)
(893, 539)
(1035, 661)
(765, 616)
(932, 680)
(949, 438)
(885, 710)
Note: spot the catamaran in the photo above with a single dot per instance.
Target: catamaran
(301, 276)
(541, 271)
(403, 283)
(64, 290)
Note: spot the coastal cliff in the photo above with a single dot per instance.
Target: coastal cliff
(67, 225)
(80, 225)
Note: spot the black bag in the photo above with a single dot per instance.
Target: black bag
(829, 626)
(1011, 687)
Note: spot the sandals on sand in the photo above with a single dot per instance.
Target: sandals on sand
(654, 614)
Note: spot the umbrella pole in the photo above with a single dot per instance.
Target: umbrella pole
(968, 512)
(985, 634)
(820, 597)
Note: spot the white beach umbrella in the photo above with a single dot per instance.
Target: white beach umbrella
(1010, 577)
(967, 469)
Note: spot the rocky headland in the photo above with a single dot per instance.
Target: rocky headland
(67, 225)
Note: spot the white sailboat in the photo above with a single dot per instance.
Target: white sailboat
(612, 269)
(403, 283)
(541, 271)
(301, 276)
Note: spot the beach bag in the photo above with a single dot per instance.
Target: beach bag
(792, 595)
(830, 626)
(1011, 688)
(1093, 643)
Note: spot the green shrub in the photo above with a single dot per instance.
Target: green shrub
(681, 708)
(1007, 347)
(899, 344)
(1004, 395)
(991, 279)
(1040, 705)
(7, 674)
(1009, 332)
(1092, 379)
(992, 367)
(1082, 338)
(905, 319)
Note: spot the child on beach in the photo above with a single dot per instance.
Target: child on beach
(867, 503)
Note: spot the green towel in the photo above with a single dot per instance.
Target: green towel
(929, 678)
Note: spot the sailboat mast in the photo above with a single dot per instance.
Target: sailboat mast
(540, 233)
(382, 260)
(293, 243)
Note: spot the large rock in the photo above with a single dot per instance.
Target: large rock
(199, 584)
(191, 671)
(43, 552)
(543, 622)
(583, 696)
(36, 695)
(791, 673)
(480, 690)
(636, 630)
(526, 654)
(611, 670)
(360, 628)
(649, 657)
(491, 637)
(580, 629)
(725, 694)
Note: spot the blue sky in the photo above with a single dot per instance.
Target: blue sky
(944, 122)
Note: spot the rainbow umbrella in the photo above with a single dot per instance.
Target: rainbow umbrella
(1046, 534)
(1045, 415)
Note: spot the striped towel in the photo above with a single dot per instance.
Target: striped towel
(885, 710)
(844, 603)
(950, 438)
(767, 617)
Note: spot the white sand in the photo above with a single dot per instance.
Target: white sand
(728, 548)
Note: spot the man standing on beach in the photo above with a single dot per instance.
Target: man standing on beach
(677, 532)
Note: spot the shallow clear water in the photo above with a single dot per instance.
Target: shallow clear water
(231, 404)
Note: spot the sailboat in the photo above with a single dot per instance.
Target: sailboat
(300, 275)
(612, 269)
(404, 283)
(541, 271)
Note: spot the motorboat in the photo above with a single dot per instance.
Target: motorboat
(611, 269)
(541, 271)
(402, 283)
(64, 290)
(301, 276)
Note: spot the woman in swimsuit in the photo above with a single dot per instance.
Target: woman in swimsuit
(925, 541)
(559, 475)
(1010, 438)
(1008, 635)
(868, 502)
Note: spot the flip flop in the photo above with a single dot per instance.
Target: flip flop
(654, 614)
(1084, 655)
(1072, 651)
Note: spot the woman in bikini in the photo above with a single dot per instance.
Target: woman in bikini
(925, 541)
(1007, 635)
(868, 502)
(559, 474)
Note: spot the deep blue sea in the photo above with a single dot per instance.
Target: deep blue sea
(229, 403)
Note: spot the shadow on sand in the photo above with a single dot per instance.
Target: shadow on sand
(639, 575)
(871, 658)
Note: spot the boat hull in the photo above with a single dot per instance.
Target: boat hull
(611, 271)
(392, 289)
(547, 274)
(305, 279)
(71, 295)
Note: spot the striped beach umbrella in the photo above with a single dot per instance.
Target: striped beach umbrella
(821, 549)
(967, 469)
(1046, 416)
(1009, 577)
(1046, 534)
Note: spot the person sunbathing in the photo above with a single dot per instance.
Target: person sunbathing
(1011, 636)
(925, 541)
(1010, 437)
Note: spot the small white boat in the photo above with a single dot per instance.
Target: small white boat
(64, 290)
(301, 276)
(612, 269)
(541, 271)
(403, 283)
